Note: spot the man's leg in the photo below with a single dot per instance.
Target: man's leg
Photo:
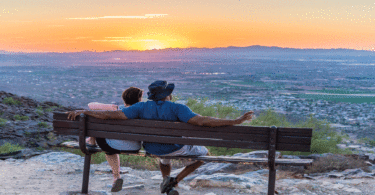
(165, 167)
(114, 162)
(188, 169)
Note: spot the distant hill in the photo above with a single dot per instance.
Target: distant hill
(189, 54)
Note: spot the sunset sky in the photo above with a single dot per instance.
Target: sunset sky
(98, 25)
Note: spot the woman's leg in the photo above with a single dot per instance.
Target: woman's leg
(114, 162)
(91, 140)
(112, 157)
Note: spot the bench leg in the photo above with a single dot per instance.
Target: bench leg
(86, 174)
(272, 181)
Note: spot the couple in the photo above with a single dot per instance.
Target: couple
(161, 108)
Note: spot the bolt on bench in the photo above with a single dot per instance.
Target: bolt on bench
(247, 137)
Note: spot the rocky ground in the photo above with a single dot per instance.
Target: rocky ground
(35, 129)
(61, 173)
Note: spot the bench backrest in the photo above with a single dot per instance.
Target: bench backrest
(249, 137)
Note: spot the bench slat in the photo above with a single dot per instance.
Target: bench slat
(154, 131)
(66, 124)
(181, 126)
(200, 141)
(201, 134)
(66, 131)
(286, 131)
(303, 132)
(176, 132)
(179, 140)
(294, 162)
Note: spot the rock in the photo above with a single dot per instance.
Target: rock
(252, 174)
(290, 157)
(139, 186)
(101, 169)
(368, 163)
(354, 147)
(335, 175)
(308, 177)
(59, 158)
(185, 187)
(256, 154)
(341, 146)
(226, 180)
(24, 154)
(315, 156)
(352, 172)
(371, 157)
(352, 190)
(28, 133)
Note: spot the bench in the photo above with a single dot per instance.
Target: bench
(246, 137)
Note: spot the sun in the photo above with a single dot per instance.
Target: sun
(156, 41)
(154, 44)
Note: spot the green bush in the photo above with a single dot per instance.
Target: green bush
(43, 124)
(2, 122)
(335, 162)
(324, 139)
(50, 109)
(214, 110)
(20, 118)
(372, 143)
(39, 111)
(11, 101)
(269, 118)
(8, 147)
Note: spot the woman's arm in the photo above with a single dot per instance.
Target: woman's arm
(98, 114)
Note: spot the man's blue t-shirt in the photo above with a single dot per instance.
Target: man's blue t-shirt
(159, 110)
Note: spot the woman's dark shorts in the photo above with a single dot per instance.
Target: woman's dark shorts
(102, 143)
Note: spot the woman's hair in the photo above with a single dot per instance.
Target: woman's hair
(132, 95)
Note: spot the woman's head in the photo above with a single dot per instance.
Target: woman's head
(132, 95)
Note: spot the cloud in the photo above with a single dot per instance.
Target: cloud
(146, 16)
(114, 39)
(118, 37)
(52, 26)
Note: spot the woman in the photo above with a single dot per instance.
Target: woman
(113, 147)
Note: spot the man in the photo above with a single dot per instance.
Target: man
(161, 108)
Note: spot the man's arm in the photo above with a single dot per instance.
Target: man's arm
(215, 122)
(98, 114)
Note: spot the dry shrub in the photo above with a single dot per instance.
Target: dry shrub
(335, 162)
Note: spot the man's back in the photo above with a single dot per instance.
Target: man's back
(160, 110)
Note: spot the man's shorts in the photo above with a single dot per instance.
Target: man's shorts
(187, 150)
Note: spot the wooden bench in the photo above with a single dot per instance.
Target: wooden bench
(247, 137)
